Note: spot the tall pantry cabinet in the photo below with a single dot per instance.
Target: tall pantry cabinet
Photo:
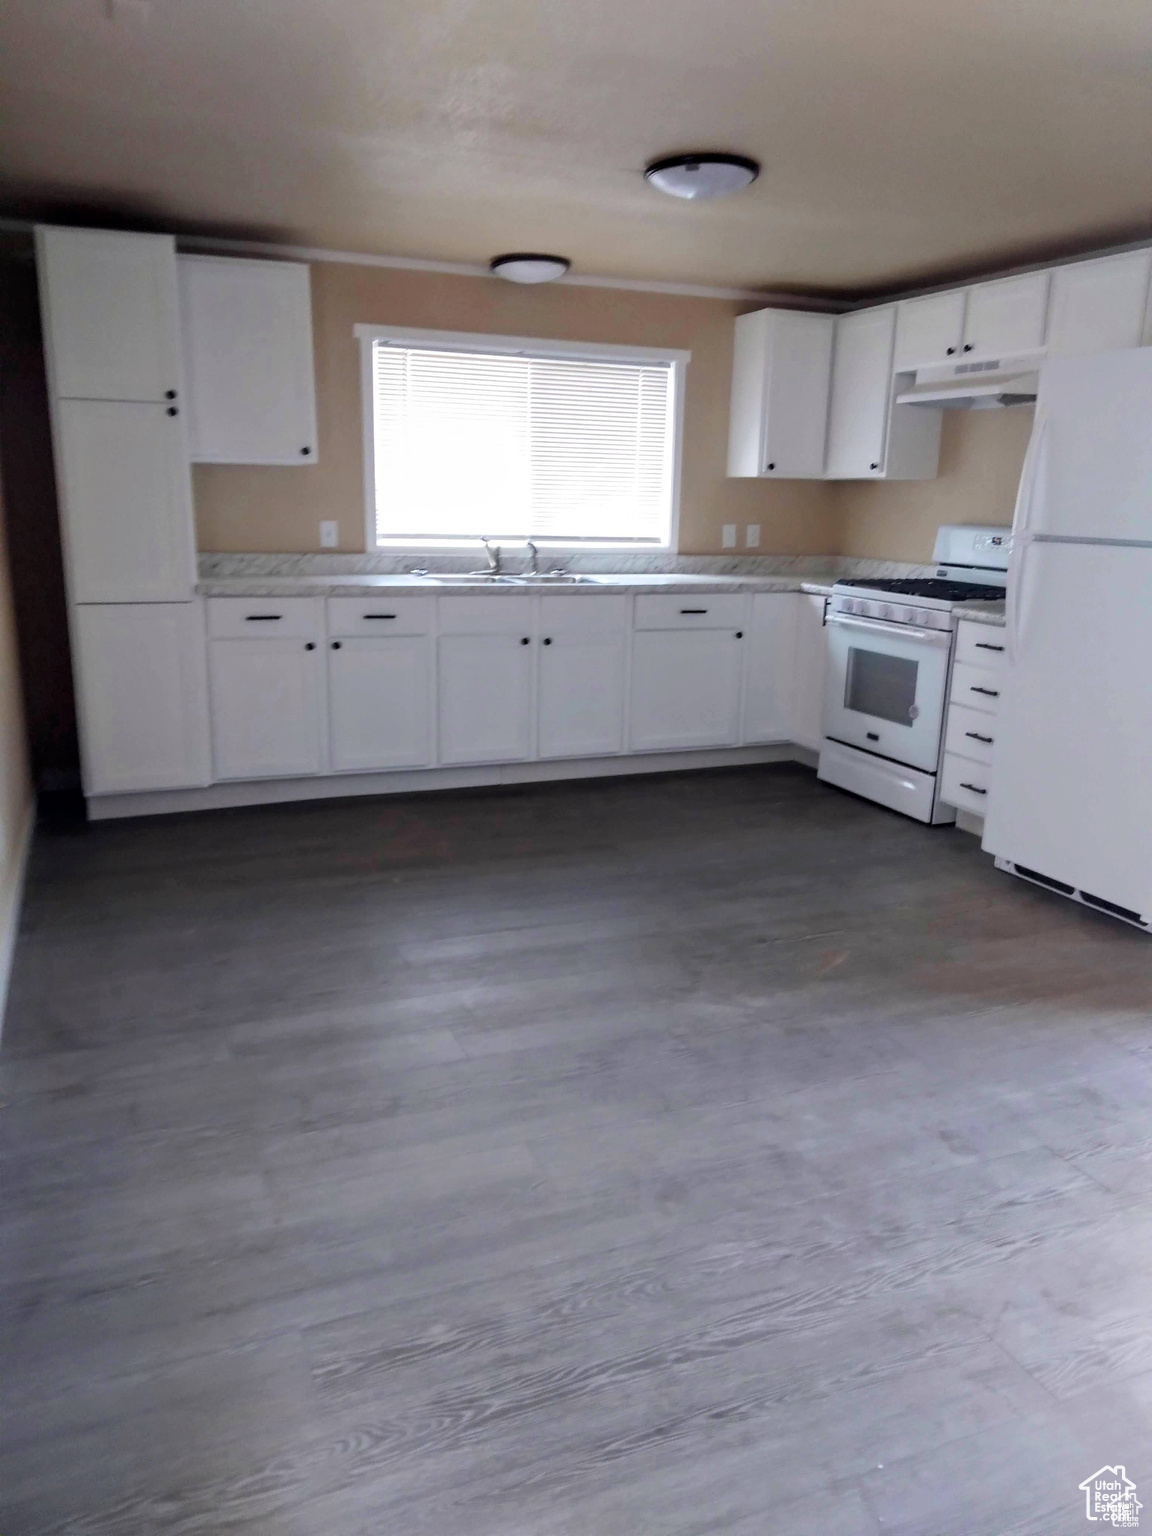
(112, 343)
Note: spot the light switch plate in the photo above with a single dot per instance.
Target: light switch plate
(752, 536)
(728, 536)
(329, 535)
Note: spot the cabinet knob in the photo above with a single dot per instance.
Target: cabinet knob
(968, 345)
(739, 634)
(772, 465)
(335, 645)
(309, 645)
(951, 351)
(548, 640)
(172, 411)
(525, 641)
(875, 464)
(169, 394)
(305, 451)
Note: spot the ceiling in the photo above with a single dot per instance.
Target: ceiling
(902, 140)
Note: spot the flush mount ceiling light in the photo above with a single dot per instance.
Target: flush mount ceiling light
(702, 175)
(529, 267)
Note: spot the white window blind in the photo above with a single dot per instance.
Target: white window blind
(468, 443)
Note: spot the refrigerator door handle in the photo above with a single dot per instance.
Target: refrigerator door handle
(1028, 476)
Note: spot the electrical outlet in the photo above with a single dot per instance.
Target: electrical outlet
(329, 535)
(752, 536)
(728, 536)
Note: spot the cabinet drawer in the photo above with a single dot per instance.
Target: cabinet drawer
(562, 614)
(264, 618)
(965, 784)
(495, 615)
(980, 645)
(380, 616)
(687, 611)
(970, 733)
(977, 687)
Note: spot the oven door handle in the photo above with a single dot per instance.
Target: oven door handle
(941, 637)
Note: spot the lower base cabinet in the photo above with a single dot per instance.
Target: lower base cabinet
(484, 696)
(810, 672)
(380, 703)
(266, 707)
(685, 688)
(142, 696)
(770, 663)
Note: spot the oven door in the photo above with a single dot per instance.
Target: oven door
(887, 685)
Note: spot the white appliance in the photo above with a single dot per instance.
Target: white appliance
(1071, 806)
(1000, 381)
(889, 658)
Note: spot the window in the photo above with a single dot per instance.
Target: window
(518, 439)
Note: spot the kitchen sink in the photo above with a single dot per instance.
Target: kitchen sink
(508, 579)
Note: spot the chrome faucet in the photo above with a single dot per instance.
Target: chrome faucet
(493, 556)
(533, 559)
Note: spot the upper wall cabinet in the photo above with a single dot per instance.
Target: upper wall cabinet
(247, 329)
(992, 319)
(869, 436)
(111, 314)
(780, 375)
(1099, 306)
(929, 331)
(1006, 316)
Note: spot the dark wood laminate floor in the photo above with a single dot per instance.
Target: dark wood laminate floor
(695, 1155)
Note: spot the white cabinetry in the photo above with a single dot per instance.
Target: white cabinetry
(484, 679)
(1003, 317)
(811, 671)
(266, 682)
(869, 436)
(973, 710)
(779, 408)
(580, 690)
(141, 696)
(930, 330)
(687, 659)
(125, 501)
(380, 695)
(111, 314)
(247, 329)
(770, 662)
(1099, 306)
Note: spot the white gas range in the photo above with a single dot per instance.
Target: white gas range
(889, 661)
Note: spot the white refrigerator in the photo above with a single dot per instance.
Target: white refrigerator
(1071, 801)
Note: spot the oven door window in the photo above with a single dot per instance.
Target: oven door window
(880, 685)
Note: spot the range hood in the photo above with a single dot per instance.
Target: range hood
(980, 386)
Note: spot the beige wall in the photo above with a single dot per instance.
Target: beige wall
(279, 509)
(981, 455)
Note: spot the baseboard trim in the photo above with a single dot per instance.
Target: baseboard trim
(12, 905)
(405, 782)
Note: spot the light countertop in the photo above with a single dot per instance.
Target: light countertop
(632, 582)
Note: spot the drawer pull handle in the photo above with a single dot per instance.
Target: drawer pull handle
(983, 645)
(976, 736)
(693, 610)
(379, 615)
(262, 618)
(993, 693)
(975, 788)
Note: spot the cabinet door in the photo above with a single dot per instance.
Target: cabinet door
(379, 703)
(141, 695)
(247, 329)
(685, 688)
(930, 330)
(1007, 316)
(861, 389)
(112, 328)
(770, 663)
(485, 696)
(811, 672)
(796, 396)
(266, 707)
(1098, 306)
(580, 695)
(126, 501)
